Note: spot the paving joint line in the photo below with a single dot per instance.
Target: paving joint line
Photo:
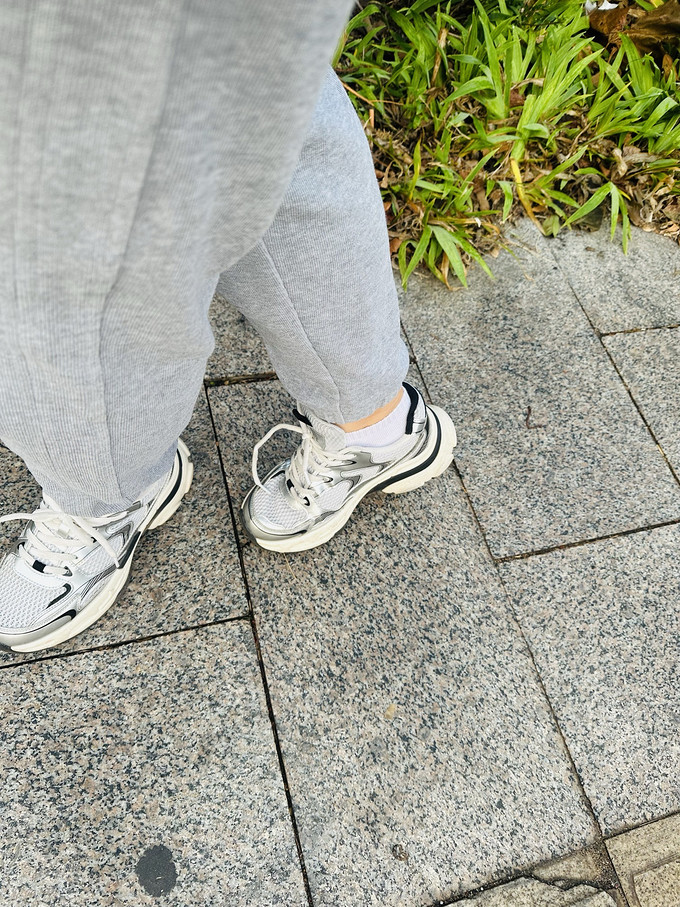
(110, 646)
(228, 380)
(623, 533)
(512, 612)
(263, 673)
(586, 802)
(529, 873)
(642, 415)
(413, 360)
(653, 327)
(409, 346)
(600, 336)
(638, 825)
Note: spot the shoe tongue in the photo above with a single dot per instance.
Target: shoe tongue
(327, 435)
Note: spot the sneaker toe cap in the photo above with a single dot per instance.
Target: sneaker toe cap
(269, 510)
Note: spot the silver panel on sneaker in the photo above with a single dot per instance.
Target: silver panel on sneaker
(86, 570)
(65, 571)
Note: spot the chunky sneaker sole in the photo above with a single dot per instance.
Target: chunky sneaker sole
(70, 624)
(430, 460)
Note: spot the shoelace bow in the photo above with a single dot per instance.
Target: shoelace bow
(309, 466)
(56, 529)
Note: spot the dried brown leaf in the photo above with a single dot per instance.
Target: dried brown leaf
(444, 268)
(656, 27)
(609, 22)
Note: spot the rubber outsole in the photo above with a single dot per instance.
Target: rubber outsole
(430, 463)
(102, 602)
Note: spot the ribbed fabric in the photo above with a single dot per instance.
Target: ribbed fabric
(147, 147)
(318, 286)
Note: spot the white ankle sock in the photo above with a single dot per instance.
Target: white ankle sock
(384, 432)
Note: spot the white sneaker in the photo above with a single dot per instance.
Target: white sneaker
(66, 571)
(305, 500)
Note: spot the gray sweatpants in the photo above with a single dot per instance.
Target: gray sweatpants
(147, 147)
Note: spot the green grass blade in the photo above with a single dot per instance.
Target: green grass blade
(593, 202)
(448, 244)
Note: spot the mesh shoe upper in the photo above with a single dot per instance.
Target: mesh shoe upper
(60, 561)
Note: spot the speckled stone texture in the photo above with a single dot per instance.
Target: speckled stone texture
(238, 351)
(421, 757)
(649, 362)
(603, 622)
(622, 291)
(552, 449)
(647, 860)
(127, 769)
(532, 893)
(185, 573)
(18, 492)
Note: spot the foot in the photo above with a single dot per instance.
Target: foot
(304, 501)
(66, 571)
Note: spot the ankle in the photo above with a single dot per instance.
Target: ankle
(377, 416)
(385, 431)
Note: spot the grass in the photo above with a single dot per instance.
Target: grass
(478, 113)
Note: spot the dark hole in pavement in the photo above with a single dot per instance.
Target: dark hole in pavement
(156, 871)
(400, 853)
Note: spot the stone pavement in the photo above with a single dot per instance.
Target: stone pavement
(470, 695)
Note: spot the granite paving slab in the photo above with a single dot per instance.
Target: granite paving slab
(18, 492)
(185, 573)
(659, 886)
(603, 621)
(551, 448)
(532, 893)
(421, 757)
(144, 774)
(622, 291)
(647, 861)
(649, 362)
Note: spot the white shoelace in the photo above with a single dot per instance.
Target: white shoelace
(63, 531)
(309, 466)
